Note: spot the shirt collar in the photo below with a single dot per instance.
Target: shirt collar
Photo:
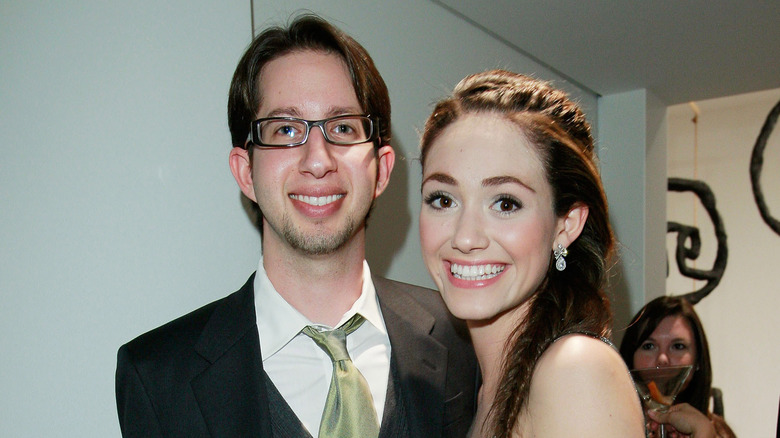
(278, 322)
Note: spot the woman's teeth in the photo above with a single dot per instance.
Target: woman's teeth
(475, 272)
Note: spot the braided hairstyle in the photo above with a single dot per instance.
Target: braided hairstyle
(568, 301)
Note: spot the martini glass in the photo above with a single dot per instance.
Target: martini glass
(658, 387)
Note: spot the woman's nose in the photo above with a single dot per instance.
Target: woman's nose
(662, 360)
(470, 233)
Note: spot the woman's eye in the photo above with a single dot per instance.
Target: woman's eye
(439, 201)
(506, 205)
(680, 346)
(647, 346)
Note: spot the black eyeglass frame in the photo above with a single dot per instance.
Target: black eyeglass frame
(254, 130)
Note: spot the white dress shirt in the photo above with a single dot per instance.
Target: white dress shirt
(301, 370)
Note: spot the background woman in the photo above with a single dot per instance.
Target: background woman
(515, 233)
(668, 332)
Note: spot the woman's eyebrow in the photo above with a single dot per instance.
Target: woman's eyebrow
(442, 178)
(504, 179)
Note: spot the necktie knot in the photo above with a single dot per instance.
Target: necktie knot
(334, 342)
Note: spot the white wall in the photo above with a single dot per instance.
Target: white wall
(740, 315)
(118, 210)
(632, 153)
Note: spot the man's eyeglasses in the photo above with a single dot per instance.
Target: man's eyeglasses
(342, 130)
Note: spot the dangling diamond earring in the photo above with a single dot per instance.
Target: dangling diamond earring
(560, 253)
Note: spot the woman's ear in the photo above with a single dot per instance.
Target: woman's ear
(241, 167)
(571, 224)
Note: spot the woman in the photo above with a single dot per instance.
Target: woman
(667, 332)
(515, 233)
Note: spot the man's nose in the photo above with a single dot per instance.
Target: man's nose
(318, 159)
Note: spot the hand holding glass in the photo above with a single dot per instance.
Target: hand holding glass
(658, 387)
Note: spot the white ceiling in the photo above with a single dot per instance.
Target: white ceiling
(680, 50)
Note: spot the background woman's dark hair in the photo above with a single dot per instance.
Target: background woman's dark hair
(305, 32)
(569, 301)
(697, 394)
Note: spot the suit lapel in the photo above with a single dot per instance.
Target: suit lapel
(420, 358)
(230, 391)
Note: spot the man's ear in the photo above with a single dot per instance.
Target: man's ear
(241, 167)
(385, 163)
(571, 224)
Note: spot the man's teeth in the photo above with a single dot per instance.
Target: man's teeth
(317, 200)
(475, 272)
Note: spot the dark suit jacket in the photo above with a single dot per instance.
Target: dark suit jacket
(201, 375)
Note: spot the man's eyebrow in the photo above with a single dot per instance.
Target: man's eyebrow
(342, 110)
(442, 178)
(504, 179)
(292, 111)
(284, 112)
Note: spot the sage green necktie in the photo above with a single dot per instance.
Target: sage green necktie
(349, 408)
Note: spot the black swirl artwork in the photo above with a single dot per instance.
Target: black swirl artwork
(689, 240)
(756, 165)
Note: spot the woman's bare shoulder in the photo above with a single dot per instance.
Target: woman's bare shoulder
(581, 387)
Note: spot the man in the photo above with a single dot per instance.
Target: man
(310, 120)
